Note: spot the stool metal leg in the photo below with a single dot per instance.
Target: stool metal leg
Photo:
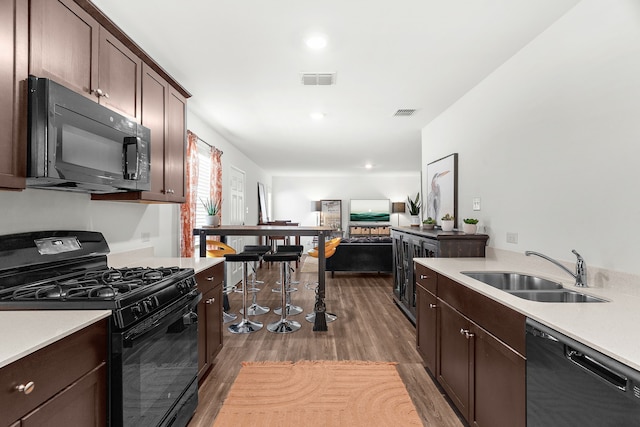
(291, 309)
(255, 309)
(245, 326)
(284, 325)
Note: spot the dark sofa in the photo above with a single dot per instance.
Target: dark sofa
(362, 254)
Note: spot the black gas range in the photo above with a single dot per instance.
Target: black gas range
(153, 348)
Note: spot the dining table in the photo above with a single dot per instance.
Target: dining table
(321, 232)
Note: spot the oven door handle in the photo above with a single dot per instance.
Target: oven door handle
(188, 319)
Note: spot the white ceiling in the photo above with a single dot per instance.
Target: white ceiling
(242, 59)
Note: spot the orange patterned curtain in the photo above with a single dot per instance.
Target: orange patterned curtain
(188, 208)
(215, 180)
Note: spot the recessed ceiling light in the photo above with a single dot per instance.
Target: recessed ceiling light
(316, 42)
(368, 166)
(317, 116)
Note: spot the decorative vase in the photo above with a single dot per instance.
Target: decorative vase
(415, 220)
(469, 228)
(212, 220)
(428, 226)
(447, 225)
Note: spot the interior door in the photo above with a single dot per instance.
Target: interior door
(236, 214)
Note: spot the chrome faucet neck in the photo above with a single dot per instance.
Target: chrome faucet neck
(581, 267)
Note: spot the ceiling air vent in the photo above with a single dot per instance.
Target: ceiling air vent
(405, 112)
(318, 79)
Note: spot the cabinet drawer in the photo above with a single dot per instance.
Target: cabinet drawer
(499, 320)
(207, 279)
(427, 278)
(51, 369)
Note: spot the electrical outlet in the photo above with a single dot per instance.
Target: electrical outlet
(476, 203)
(512, 237)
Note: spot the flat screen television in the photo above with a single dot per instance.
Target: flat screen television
(369, 210)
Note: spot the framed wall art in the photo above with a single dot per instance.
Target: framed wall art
(331, 214)
(442, 188)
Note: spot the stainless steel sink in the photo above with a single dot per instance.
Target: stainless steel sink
(529, 287)
(556, 296)
(509, 281)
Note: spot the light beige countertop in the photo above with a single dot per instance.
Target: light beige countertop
(146, 259)
(24, 332)
(609, 327)
(32, 330)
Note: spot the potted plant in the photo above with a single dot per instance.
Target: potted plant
(213, 210)
(469, 225)
(447, 222)
(414, 209)
(428, 223)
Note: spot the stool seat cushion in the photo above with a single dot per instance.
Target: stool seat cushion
(260, 249)
(291, 248)
(242, 257)
(281, 257)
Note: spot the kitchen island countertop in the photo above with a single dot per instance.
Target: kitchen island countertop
(609, 327)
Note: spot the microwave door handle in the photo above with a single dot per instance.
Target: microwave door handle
(131, 158)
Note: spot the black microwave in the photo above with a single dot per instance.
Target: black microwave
(76, 144)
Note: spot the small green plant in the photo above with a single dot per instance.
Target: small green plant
(429, 221)
(470, 221)
(448, 217)
(414, 205)
(210, 206)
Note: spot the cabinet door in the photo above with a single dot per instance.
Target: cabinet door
(499, 383)
(426, 327)
(398, 268)
(175, 147)
(64, 44)
(83, 403)
(454, 360)
(119, 76)
(213, 304)
(13, 73)
(155, 92)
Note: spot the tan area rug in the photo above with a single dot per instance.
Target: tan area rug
(318, 393)
(309, 265)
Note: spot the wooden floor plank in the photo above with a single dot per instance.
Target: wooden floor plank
(369, 327)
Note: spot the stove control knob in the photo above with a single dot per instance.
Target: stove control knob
(148, 305)
(136, 310)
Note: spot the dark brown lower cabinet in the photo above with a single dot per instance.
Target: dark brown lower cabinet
(69, 383)
(209, 317)
(476, 345)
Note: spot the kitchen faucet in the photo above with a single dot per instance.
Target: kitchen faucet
(581, 267)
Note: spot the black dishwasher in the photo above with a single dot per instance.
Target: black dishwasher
(570, 384)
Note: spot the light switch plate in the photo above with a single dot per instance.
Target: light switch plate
(476, 203)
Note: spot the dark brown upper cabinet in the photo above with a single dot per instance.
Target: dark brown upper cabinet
(70, 46)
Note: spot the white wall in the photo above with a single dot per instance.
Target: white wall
(292, 196)
(551, 140)
(126, 226)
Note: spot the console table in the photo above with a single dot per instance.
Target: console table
(277, 230)
(414, 242)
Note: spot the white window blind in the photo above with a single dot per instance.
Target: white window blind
(204, 172)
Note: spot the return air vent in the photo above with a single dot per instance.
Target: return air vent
(405, 112)
(318, 79)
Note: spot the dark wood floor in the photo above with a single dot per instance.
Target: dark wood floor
(369, 327)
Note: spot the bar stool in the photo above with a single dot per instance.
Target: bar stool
(245, 326)
(292, 310)
(284, 325)
(220, 252)
(255, 309)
